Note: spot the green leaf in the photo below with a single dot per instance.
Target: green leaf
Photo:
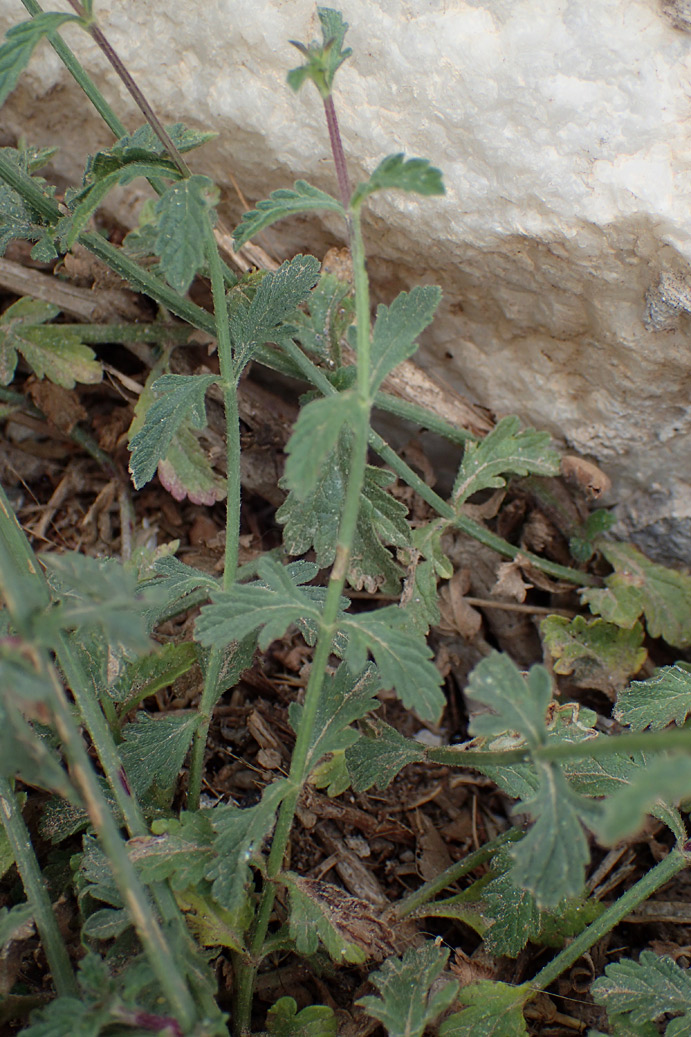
(314, 521)
(254, 323)
(344, 700)
(183, 213)
(240, 835)
(19, 45)
(397, 327)
(25, 754)
(14, 919)
(494, 1010)
(332, 773)
(314, 439)
(48, 349)
(186, 471)
(402, 655)
(665, 780)
(519, 704)
(504, 451)
(180, 851)
(321, 911)
(645, 990)
(550, 860)
(329, 312)
(598, 654)
(141, 146)
(155, 748)
(379, 754)
(18, 218)
(398, 172)
(270, 605)
(639, 585)
(323, 59)
(284, 202)
(654, 703)
(150, 673)
(583, 544)
(407, 1005)
(181, 398)
(284, 1020)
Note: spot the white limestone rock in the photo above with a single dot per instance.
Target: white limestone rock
(563, 244)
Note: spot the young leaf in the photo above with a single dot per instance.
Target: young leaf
(494, 1010)
(550, 861)
(19, 45)
(284, 1020)
(344, 700)
(378, 756)
(658, 701)
(141, 146)
(504, 451)
(639, 585)
(583, 544)
(645, 990)
(186, 470)
(183, 212)
(314, 522)
(397, 172)
(278, 294)
(271, 605)
(181, 397)
(284, 202)
(315, 436)
(321, 911)
(397, 328)
(48, 349)
(598, 654)
(519, 704)
(323, 59)
(155, 748)
(666, 779)
(402, 655)
(407, 1005)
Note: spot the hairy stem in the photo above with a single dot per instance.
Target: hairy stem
(36, 893)
(337, 151)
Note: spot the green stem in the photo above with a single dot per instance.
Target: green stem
(36, 893)
(588, 749)
(418, 415)
(673, 863)
(453, 873)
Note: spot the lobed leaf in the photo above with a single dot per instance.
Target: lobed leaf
(598, 654)
(379, 755)
(494, 1010)
(183, 213)
(321, 911)
(186, 471)
(155, 748)
(141, 146)
(181, 398)
(644, 990)
(504, 451)
(397, 327)
(402, 655)
(323, 60)
(180, 851)
(329, 312)
(407, 1004)
(519, 704)
(664, 780)
(641, 586)
(315, 435)
(19, 45)
(284, 1020)
(658, 701)
(48, 349)
(398, 172)
(284, 202)
(146, 675)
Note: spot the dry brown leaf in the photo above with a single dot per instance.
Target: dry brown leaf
(457, 616)
(510, 582)
(586, 476)
(354, 918)
(60, 406)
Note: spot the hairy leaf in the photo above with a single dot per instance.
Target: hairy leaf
(378, 756)
(396, 171)
(14, 919)
(323, 59)
(658, 701)
(318, 911)
(519, 704)
(180, 850)
(181, 398)
(504, 451)
(330, 311)
(150, 673)
(183, 212)
(397, 327)
(284, 1020)
(271, 604)
(19, 45)
(494, 1010)
(406, 1005)
(284, 202)
(141, 146)
(186, 470)
(665, 780)
(402, 655)
(344, 700)
(314, 522)
(25, 754)
(641, 586)
(254, 323)
(645, 990)
(48, 349)
(314, 438)
(598, 654)
(155, 748)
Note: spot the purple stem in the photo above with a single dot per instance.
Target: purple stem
(337, 151)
